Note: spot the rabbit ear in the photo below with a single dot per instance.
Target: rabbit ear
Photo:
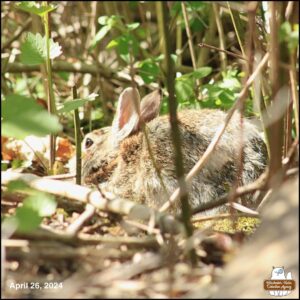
(127, 115)
(150, 106)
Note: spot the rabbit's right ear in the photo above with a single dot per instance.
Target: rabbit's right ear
(127, 115)
(150, 106)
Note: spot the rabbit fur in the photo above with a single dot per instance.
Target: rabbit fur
(117, 158)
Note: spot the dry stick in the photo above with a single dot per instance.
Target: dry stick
(61, 176)
(144, 127)
(236, 29)
(290, 153)
(169, 69)
(289, 10)
(240, 151)
(189, 34)
(82, 219)
(50, 91)
(295, 96)
(191, 47)
(79, 67)
(275, 132)
(87, 195)
(199, 165)
(77, 138)
(85, 239)
(222, 50)
(223, 58)
(179, 41)
(49, 250)
(147, 228)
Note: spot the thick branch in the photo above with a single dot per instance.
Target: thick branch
(87, 195)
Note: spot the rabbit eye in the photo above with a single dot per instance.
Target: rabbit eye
(88, 143)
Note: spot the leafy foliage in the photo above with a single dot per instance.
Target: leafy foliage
(223, 93)
(185, 84)
(34, 51)
(76, 103)
(149, 69)
(289, 35)
(36, 206)
(35, 7)
(22, 116)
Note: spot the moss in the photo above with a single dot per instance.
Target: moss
(243, 224)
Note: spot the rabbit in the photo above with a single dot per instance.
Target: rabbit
(117, 158)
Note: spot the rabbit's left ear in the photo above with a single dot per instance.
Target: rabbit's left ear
(150, 106)
(127, 115)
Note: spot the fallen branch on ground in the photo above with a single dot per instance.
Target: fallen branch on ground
(86, 195)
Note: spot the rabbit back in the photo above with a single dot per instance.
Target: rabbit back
(136, 177)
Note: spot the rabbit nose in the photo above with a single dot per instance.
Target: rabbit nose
(88, 143)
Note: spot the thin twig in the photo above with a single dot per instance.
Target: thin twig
(189, 34)
(223, 57)
(208, 152)
(236, 29)
(82, 219)
(289, 10)
(85, 239)
(295, 95)
(222, 50)
(50, 91)
(61, 176)
(77, 138)
(143, 227)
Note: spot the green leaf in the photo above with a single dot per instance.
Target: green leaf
(27, 219)
(17, 186)
(63, 75)
(291, 37)
(74, 104)
(197, 74)
(44, 204)
(71, 105)
(112, 44)
(201, 72)
(22, 116)
(34, 52)
(103, 20)
(132, 26)
(184, 89)
(148, 70)
(127, 45)
(35, 7)
(35, 207)
(100, 35)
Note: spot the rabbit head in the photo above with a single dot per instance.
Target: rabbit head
(101, 147)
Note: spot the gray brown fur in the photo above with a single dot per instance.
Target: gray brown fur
(126, 169)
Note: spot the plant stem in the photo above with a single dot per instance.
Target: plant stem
(77, 139)
(169, 69)
(50, 92)
(223, 57)
(235, 19)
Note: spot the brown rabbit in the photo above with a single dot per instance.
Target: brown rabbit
(117, 157)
